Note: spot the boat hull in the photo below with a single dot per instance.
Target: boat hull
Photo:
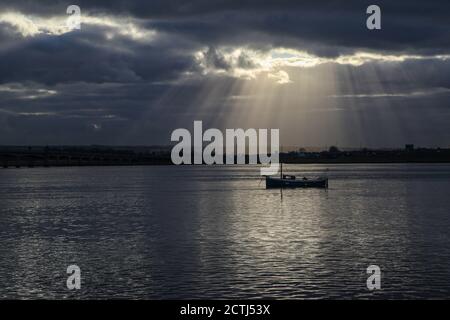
(272, 183)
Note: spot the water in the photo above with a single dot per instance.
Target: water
(215, 232)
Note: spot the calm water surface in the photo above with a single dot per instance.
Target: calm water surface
(215, 232)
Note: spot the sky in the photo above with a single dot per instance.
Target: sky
(137, 70)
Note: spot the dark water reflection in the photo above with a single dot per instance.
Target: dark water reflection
(214, 232)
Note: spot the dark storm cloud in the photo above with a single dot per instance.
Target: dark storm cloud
(89, 56)
(325, 27)
(87, 87)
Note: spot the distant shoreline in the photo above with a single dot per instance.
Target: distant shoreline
(18, 157)
(20, 166)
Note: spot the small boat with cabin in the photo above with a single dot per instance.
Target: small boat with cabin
(290, 181)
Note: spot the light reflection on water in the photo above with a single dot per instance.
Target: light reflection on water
(215, 232)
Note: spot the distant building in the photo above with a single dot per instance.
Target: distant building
(333, 149)
(409, 147)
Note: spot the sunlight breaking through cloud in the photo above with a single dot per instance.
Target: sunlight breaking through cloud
(246, 63)
(30, 26)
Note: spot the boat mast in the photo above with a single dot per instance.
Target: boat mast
(281, 171)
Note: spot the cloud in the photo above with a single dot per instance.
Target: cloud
(412, 94)
(18, 91)
(142, 67)
(281, 77)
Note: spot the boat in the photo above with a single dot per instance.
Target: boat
(290, 181)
